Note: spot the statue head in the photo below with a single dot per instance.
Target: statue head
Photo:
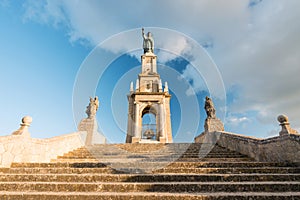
(149, 34)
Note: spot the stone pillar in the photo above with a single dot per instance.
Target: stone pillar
(137, 121)
(161, 120)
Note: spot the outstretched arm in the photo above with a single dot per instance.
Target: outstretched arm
(143, 33)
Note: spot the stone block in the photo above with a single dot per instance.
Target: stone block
(213, 124)
(91, 127)
(135, 140)
(2, 150)
(162, 139)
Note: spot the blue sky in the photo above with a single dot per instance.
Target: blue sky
(254, 45)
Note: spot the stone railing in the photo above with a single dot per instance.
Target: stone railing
(20, 148)
(285, 148)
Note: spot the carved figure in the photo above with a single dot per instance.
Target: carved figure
(148, 43)
(209, 108)
(92, 108)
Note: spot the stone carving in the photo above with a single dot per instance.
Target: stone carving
(92, 108)
(209, 108)
(285, 125)
(23, 130)
(148, 43)
(212, 123)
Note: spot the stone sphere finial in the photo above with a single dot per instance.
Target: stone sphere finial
(26, 121)
(282, 119)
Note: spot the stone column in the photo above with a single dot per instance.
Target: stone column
(137, 120)
(161, 120)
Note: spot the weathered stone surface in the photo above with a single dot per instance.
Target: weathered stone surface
(285, 148)
(213, 124)
(91, 127)
(17, 148)
(202, 171)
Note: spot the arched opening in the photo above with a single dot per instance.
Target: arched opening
(149, 124)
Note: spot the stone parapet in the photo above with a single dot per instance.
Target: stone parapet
(276, 149)
(17, 148)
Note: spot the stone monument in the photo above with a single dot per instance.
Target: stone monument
(149, 98)
(212, 123)
(90, 124)
(285, 126)
(23, 130)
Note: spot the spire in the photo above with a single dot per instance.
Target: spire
(131, 86)
(160, 86)
(137, 85)
(166, 87)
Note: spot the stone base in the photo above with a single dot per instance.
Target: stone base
(139, 140)
(162, 140)
(91, 127)
(145, 141)
(213, 124)
(135, 140)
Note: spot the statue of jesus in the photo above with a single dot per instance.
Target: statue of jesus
(148, 43)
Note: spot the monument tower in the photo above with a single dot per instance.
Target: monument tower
(149, 119)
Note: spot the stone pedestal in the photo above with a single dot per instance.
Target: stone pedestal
(213, 124)
(91, 127)
(135, 140)
(162, 140)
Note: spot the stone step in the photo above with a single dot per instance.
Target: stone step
(148, 177)
(150, 164)
(172, 187)
(100, 153)
(79, 170)
(150, 196)
(149, 156)
(234, 170)
(57, 170)
(153, 148)
(167, 159)
(149, 153)
(118, 151)
(61, 164)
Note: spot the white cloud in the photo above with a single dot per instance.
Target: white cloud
(265, 63)
(235, 121)
(256, 48)
(177, 44)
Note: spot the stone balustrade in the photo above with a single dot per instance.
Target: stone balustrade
(285, 148)
(21, 148)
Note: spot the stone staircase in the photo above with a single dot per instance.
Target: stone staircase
(151, 171)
